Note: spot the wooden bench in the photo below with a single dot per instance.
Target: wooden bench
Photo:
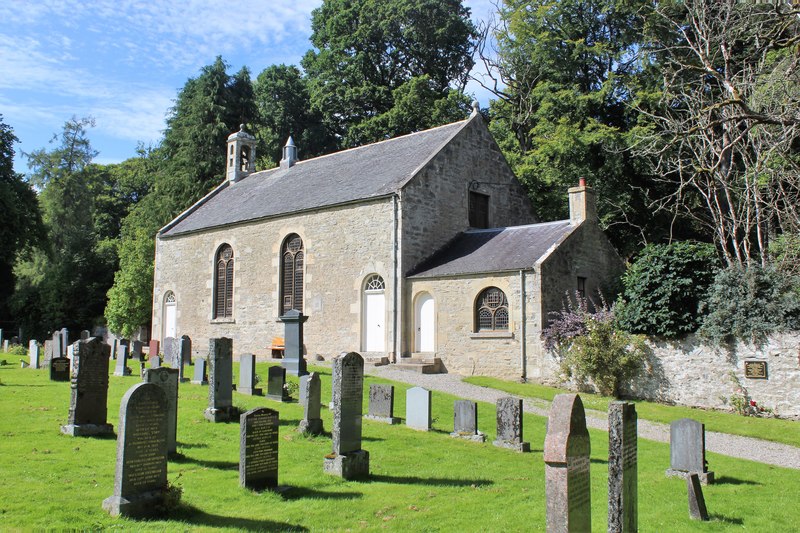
(277, 347)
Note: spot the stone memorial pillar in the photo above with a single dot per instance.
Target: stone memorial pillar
(465, 421)
(381, 404)
(509, 425)
(89, 381)
(247, 375)
(310, 400)
(293, 360)
(258, 449)
(121, 368)
(167, 380)
(687, 450)
(347, 460)
(623, 511)
(566, 470)
(220, 374)
(418, 408)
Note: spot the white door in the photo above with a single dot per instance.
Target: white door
(170, 316)
(425, 323)
(375, 318)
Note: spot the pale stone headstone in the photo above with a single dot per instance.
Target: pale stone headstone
(5, 345)
(220, 380)
(141, 471)
(566, 457)
(200, 377)
(48, 353)
(623, 510)
(258, 449)
(293, 360)
(59, 369)
(247, 375)
(121, 368)
(310, 398)
(186, 349)
(697, 502)
(418, 408)
(171, 350)
(465, 421)
(167, 379)
(70, 354)
(381, 404)
(33, 353)
(687, 450)
(155, 361)
(55, 346)
(347, 460)
(89, 382)
(276, 378)
(64, 339)
(509, 425)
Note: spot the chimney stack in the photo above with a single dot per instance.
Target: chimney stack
(582, 203)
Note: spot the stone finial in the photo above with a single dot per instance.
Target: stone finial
(289, 154)
(476, 108)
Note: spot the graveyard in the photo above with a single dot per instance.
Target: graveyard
(415, 481)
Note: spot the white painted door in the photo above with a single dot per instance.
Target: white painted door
(170, 320)
(425, 323)
(375, 322)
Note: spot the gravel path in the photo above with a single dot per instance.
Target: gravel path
(732, 445)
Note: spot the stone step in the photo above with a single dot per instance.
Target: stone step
(422, 366)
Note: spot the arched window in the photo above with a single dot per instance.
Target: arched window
(292, 274)
(491, 310)
(223, 283)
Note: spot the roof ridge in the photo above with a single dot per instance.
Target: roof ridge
(523, 226)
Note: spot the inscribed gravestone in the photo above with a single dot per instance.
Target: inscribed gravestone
(121, 368)
(381, 404)
(199, 377)
(697, 502)
(687, 450)
(465, 421)
(623, 513)
(167, 379)
(247, 375)
(141, 471)
(89, 390)
(509, 425)
(276, 378)
(418, 408)
(310, 397)
(59, 369)
(348, 460)
(171, 350)
(33, 353)
(220, 374)
(258, 449)
(566, 457)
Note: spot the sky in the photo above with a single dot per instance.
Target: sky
(123, 62)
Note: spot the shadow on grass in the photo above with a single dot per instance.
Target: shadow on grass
(193, 515)
(298, 493)
(26, 385)
(598, 461)
(372, 439)
(191, 445)
(288, 422)
(725, 519)
(435, 481)
(221, 465)
(728, 480)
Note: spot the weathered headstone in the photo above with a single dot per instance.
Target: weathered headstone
(509, 425)
(48, 353)
(623, 509)
(121, 368)
(258, 449)
(64, 339)
(276, 379)
(58, 350)
(220, 380)
(89, 382)
(200, 377)
(247, 375)
(135, 352)
(33, 353)
(186, 349)
(171, 350)
(293, 360)
(465, 421)
(153, 348)
(697, 502)
(310, 398)
(141, 472)
(566, 457)
(687, 450)
(70, 354)
(418, 408)
(167, 379)
(155, 361)
(381, 404)
(59, 369)
(347, 460)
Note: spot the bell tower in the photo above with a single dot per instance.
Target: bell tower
(241, 155)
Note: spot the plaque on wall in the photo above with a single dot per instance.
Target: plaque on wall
(755, 369)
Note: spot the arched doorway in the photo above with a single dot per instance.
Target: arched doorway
(170, 315)
(424, 323)
(374, 328)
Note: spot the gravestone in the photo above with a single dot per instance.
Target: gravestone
(310, 398)
(121, 368)
(135, 351)
(200, 377)
(381, 404)
(56, 342)
(623, 507)
(153, 348)
(5, 345)
(258, 449)
(141, 471)
(687, 450)
(418, 408)
(293, 360)
(33, 353)
(167, 379)
(89, 383)
(59, 369)
(220, 380)
(114, 346)
(155, 361)
(70, 354)
(64, 339)
(186, 349)
(247, 375)
(276, 379)
(566, 458)
(465, 421)
(48, 353)
(347, 460)
(697, 502)
(171, 350)
(509, 425)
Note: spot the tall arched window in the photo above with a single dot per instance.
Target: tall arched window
(223, 283)
(491, 310)
(292, 274)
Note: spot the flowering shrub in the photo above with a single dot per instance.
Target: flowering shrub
(742, 403)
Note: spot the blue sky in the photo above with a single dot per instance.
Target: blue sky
(123, 62)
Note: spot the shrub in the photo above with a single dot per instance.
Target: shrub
(664, 286)
(750, 303)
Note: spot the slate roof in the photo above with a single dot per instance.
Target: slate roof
(370, 171)
(494, 250)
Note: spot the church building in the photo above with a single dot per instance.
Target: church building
(422, 248)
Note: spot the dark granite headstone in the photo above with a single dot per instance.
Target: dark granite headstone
(136, 351)
(258, 449)
(220, 374)
(697, 502)
(276, 378)
(114, 346)
(167, 379)
(348, 460)
(381, 404)
(509, 425)
(59, 369)
(418, 408)
(687, 450)
(121, 368)
(171, 350)
(141, 472)
(566, 457)
(186, 349)
(465, 421)
(310, 398)
(200, 377)
(623, 510)
(89, 382)
(293, 360)
(247, 375)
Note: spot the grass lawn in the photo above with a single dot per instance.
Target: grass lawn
(776, 430)
(419, 481)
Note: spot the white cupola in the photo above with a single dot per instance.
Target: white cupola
(241, 155)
